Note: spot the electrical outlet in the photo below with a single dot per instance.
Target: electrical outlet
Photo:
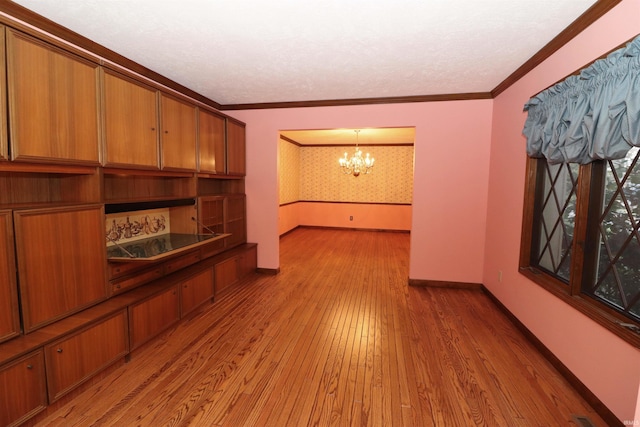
(350, 217)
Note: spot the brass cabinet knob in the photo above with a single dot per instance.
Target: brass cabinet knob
(29, 366)
(59, 350)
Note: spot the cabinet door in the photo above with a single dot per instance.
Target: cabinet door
(4, 146)
(211, 215)
(196, 291)
(211, 147)
(236, 150)
(235, 222)
(130, 123)
(226, 274)
(53, 103)
(248, 262)
(22, 389)
(61, 261)
(150, 317)
(74, 359)
(178, 136)
(9, 319)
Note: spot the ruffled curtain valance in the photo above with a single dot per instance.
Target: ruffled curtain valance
(590, 116)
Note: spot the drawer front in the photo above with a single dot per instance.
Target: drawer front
(152, 316)
(22, 389)
(181, 262)
(74, 359)
(138, 279)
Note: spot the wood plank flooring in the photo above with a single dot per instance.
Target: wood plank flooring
(337, 338)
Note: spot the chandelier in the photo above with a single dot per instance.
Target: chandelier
(357, 164)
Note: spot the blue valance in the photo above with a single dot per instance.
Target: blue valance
(590, 116)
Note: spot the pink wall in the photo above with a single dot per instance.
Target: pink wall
(288, 217)
(367, 216)
(450, 178)
(607, 365)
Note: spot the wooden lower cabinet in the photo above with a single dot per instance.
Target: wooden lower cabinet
(22, 389)
(226, 274)
(72, 360)
(153, 315)
(230, 271)
(196, 290)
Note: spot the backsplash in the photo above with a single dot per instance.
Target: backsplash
(129, 226)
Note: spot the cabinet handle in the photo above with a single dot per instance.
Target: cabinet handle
(153, 128)
(29, 366)
(59, 350)
(166, 131)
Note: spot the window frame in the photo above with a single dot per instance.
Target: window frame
(591, 176)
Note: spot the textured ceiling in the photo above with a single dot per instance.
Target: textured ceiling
(256, 51)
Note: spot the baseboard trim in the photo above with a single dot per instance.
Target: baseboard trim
(602, 410)
(268, 271)
(444, 284)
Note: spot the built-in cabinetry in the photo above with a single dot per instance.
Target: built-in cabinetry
(53, 102)
(178, 134)
(236, 146)
(79, 142)
(73, 359)
(130, 122)
(234, 268)
(4, 147)
(23, 391)
(211, 142)
(9, 320)
(60, 254)
(153, 315)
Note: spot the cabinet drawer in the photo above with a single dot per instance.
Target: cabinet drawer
(74, 359)
(181, 262)
(196, 291)
(153, 315)
(22, 389)
(137, 279)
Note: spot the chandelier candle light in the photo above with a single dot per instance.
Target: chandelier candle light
(356, 164)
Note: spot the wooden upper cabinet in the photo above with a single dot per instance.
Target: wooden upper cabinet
(9, 318)
(236, 150)
(4, 146)
(61, 257)
(130, 123)
(178, 134)
(53, 103)
(211, 142)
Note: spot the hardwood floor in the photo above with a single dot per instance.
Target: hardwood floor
(337, 338)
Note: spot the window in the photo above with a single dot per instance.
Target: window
(581, 237)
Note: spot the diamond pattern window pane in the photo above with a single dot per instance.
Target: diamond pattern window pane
(618, 272)
(557, 219)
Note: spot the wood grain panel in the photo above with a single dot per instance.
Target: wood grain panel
(152, 316)
(23, 390)
(196, 291)
(236, 148)
(9, 310)
(74, 359)
(61, 256)
(53, 103)
(211, 142)
(337, 338)
(178, 134)
(130, 123)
